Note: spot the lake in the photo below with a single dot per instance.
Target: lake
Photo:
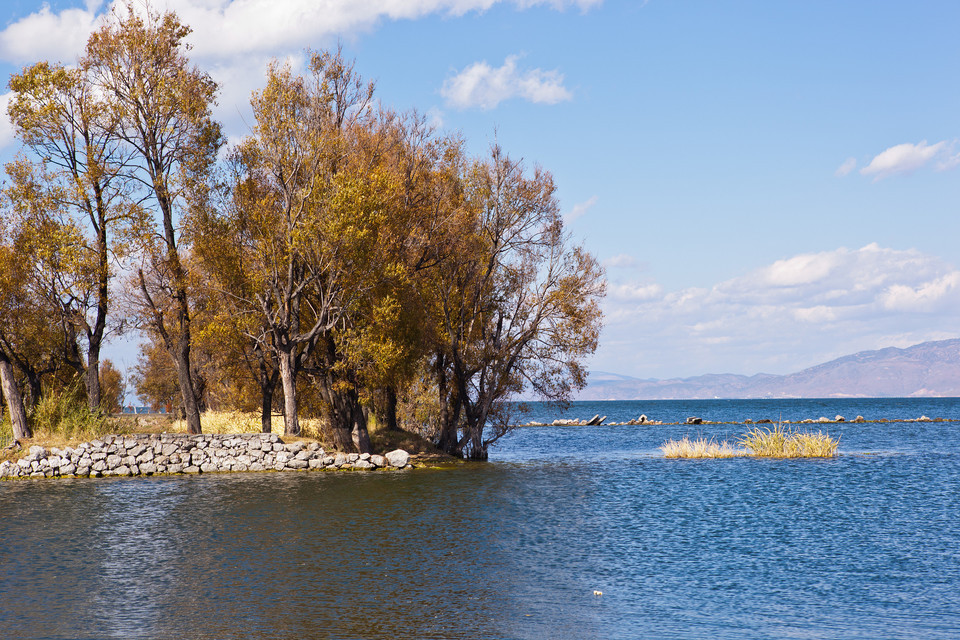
(866, 545)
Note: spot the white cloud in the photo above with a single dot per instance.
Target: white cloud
(621, 261)
(579, 209)
(45, 35)
(234, 39)
(904, 159)
(6, 127)
(635, 292)
(781, 317)
(481, 85)
(848, 165)
(226, 28)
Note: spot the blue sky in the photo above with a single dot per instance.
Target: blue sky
(770, 184)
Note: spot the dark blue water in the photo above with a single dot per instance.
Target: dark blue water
(866, 545)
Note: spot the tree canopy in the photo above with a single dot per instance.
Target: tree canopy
(347, 255)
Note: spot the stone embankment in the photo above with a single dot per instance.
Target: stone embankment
(153, 454)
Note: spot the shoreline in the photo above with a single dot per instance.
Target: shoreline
(170, 454)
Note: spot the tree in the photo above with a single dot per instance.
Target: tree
(306, 220)
(76, 175)
(113, 388)
(517, 305)
(155, 377)
(162, 108)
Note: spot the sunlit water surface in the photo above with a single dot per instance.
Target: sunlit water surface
(866, 545)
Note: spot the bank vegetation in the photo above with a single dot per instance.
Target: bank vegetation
(343, 262)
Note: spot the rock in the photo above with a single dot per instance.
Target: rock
(37, 451)
(398, 458)
(642, 419)
(315, 463)
(822, 419)
(363, 464)
(765, 421)
(595, 420)
(364, 456)
(694, 420)
(378, 461)
(353, 457)
(924, 419)
(296, 463)
(859, 419)
(839, 419)
(209, 467)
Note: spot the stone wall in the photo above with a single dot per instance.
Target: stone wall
(150, 454)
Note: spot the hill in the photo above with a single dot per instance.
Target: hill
(930, 369)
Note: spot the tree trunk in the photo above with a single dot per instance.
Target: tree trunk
(268, 384)
(191, 410)
(390, 409)
(360, 425)
(291, 422)
(11, 391)
(92, 379)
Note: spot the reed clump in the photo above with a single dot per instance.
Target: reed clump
(779, 442)
(773, 442)
(698, 448)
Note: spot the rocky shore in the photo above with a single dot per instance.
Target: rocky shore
(643, 420)
(157, 454)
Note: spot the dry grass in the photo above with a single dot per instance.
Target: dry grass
(779, 442)
(774, 442)
(699, 448)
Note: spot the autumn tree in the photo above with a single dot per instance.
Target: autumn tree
(113, 388)
(74, 177)
(517, 305)
(307, 220)
(162, 108)
(11, 308)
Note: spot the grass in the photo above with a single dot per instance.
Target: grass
(773, 442)
(699, 448)
(779, 442)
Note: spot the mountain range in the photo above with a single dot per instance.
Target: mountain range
(928, 369)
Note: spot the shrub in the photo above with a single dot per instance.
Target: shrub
(64, 413)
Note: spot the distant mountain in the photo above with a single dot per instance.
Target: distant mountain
(930, 369)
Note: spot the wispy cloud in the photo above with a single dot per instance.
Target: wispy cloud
(579, 209)
(844, 169)
(621, 261)
(483, 86)
(904, 159)
(784, 316)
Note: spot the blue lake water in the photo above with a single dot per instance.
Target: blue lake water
(866, 545)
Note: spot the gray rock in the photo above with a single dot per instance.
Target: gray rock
(340, 460)
(398, 458)
(297, 464)
(191, 469)
(303, 455)
(38, 451)
(67, 469)
(148, 468)
(314, 463)
(113, 461)
(122, 470)
(363, 464)
(378, 461)
(352, 457)
(294, 447)
(175, 468)
(209, 467)
(694, 420)
(364, 456)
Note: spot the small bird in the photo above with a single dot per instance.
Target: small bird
(597, 593)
